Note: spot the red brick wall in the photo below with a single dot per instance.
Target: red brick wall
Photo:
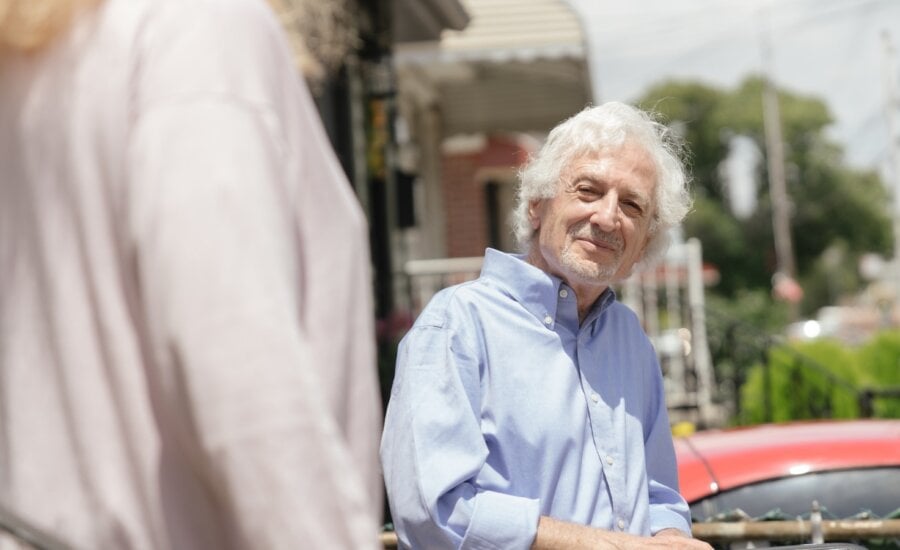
(464, 195)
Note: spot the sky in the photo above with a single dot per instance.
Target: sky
(832, 49)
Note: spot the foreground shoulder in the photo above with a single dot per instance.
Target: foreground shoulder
(225, 47)
(235, 20)
(451, 306)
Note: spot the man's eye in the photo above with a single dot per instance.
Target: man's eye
(633, 209)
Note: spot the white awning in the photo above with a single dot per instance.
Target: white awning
(504, 30)
(424, 20)
(518, 66)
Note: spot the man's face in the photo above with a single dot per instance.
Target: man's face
(597, 226)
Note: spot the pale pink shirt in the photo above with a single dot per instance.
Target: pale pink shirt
(186, 337)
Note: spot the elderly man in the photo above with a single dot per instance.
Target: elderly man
(527, 409)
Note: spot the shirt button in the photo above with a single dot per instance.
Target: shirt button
(563, 293)
(595, 398)
(609, 460)
(620, 524)
(548, 320)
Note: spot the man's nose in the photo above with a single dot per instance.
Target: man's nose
(605, 213)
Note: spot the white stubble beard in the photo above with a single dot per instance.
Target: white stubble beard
(587, 270)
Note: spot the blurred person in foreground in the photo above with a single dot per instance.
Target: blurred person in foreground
(528, 409)
(186, 338)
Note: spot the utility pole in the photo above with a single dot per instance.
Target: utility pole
(891, 104)
(781, 226)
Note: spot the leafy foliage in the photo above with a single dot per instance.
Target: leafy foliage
(817, 382)
(821, 379)
(833, 206)
(837, 214)
(881, 357)
(738, 331)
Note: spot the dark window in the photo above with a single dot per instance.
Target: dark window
(840, 494)
(494, 217)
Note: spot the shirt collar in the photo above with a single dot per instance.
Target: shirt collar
(537, 290)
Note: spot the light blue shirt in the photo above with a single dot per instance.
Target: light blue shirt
(505, 409)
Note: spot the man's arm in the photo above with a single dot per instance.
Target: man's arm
(554, 534)
(668, 509)
(669, 514)
(433, 450)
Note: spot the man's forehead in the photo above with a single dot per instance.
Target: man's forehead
(597, 160)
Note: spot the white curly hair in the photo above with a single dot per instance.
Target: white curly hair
(608, 127)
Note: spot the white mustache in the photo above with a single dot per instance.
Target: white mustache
(589, 232)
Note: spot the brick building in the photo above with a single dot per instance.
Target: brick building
(473, 106)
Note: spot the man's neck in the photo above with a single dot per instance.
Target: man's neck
(586, 293)
(586, 297)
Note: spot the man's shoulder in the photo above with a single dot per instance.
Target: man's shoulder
(453, 303)
(624, 319)
(622, 312)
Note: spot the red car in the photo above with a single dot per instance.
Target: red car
(852, 468)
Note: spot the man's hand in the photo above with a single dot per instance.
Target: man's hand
(554, 534)
(676, 538)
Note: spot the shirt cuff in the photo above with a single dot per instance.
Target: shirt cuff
(665, 518)
(502, 522)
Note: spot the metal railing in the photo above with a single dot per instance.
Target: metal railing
(774, 531)
(797, 530)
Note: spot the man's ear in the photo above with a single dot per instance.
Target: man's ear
(647, 238)
(637, 261)
(642, 253)
(535, 210)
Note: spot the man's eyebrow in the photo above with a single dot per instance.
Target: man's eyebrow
(636, 196)
(592, 176)
(597, 178)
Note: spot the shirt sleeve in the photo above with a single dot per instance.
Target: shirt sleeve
(668, 508)
(216, 251)
(433, 448)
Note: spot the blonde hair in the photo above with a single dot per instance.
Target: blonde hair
(28, 25)
(321, 34)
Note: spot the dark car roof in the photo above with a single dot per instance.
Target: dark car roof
(718, 460)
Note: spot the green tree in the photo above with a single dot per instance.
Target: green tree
(837, 214)
(834, 207)
(692, 107)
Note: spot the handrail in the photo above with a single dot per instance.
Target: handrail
(832, 530)
(733, 531)
(388, 540)
(443, 266)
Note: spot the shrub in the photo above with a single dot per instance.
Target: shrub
(802, 381)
